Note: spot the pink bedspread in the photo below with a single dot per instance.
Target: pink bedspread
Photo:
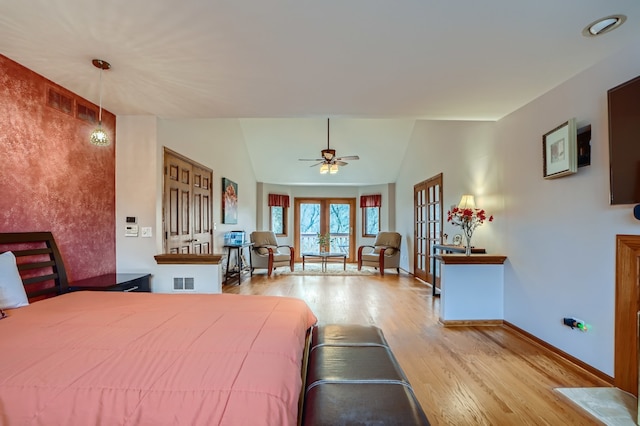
(107, 358)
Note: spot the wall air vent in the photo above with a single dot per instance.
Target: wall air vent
(189, 284)
(58, 100)
(183, 284)
(86, 113)
(178, 283)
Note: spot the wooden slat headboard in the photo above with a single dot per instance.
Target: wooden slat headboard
(39, 262)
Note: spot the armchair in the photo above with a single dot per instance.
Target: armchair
(267, 254)
(385, 253)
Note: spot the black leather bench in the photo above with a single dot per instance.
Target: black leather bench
(353, 378)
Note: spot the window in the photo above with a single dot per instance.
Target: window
(370, 205)
(370, 221)
(278, 212)
(278, 220)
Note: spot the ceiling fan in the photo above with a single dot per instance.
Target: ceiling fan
(329, 162)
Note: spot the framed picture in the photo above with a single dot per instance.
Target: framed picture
(229, 201)
(559, 151)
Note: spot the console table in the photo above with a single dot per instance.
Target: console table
(113, 282)
(237, 270)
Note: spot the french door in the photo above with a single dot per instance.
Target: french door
(427, 202)
(313, 216)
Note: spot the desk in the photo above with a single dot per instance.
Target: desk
(239, 267)
(323, 258)
(113, 282)
(445, 248)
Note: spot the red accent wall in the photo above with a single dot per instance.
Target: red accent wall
(51, 177)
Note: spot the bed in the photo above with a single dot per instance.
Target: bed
(151, 359)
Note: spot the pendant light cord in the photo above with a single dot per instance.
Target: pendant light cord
(100, 110)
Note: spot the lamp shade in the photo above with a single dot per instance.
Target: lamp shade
(467, 202)
(333, 169)
(324, 169)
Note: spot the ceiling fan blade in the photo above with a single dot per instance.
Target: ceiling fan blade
(317, 164)
(348, 157)
(310, 159)
(340, 163)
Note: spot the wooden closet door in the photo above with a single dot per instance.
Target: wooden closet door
(187, 206)
(201, 208)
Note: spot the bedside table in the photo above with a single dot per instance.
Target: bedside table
(114, 282)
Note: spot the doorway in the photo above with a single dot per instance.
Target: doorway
(427, 207)
(313, 216)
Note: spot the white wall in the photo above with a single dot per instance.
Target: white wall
(136, 192)
(217, 144)
(560, 235)
(464, 152)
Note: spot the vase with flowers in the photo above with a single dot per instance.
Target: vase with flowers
(325, 241)
(467, 218)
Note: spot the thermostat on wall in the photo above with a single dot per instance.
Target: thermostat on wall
(131, 231)
(131, 219)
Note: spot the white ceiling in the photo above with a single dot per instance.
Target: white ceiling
(284, 66)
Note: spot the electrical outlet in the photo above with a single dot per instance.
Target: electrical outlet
(575, 323)
(581, 325)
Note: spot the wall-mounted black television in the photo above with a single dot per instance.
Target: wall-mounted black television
(624, 142)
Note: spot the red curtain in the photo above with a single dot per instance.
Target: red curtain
(374, 200)
(277, 200)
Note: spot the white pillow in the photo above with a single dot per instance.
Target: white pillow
(12, 294)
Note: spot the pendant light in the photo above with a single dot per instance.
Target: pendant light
(99, 137)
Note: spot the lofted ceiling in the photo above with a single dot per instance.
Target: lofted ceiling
(282, 66)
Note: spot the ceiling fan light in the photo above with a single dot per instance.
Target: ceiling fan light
(324, 169)
(333, 169)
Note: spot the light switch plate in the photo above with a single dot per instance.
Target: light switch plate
(147, 232)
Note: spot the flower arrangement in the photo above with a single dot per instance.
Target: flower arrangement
(324, 240)
(468, 219)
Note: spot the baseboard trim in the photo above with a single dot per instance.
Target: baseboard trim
(407, 272)
(470, 323)
(562, 354)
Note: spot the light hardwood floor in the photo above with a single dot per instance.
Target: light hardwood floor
(461, 375)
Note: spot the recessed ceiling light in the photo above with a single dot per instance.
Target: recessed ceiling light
(603, 25)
